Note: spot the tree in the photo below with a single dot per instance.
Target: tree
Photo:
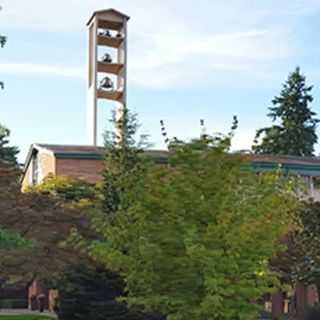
(123, 161)
(7, 153)
(302, 259)
(90, 292)
(196, 240)
(124, 164)
(295, 132)
(3, 41)
(43, 223)
(67, 191)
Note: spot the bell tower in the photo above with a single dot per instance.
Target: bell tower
(107, 64)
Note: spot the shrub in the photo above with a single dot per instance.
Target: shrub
(87, 293)
(312, 313)
(13, 304)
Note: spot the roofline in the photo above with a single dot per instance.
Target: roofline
(105, 11)
(29, 155)
(78, 155)
(75, 155)
(307, 169)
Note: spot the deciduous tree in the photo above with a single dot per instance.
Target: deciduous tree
(196, 240)
(41, 221)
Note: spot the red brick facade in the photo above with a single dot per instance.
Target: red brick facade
(89, 170)
(83, 162)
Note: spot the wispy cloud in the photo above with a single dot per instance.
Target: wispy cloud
(38, 69)
(167, 48)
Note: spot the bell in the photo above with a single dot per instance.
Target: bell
(107, 33)
(3, 41)
(106, 84)
(119, 35)
(106, 58)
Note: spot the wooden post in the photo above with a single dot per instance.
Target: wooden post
(277, 305)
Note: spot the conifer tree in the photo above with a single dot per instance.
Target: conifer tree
(3, 41)
(295, 130)
(123, 161)
(7, 154)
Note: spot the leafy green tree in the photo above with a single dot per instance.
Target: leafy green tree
(7, 153)
(196, 240)
(42, 222)
(302, 259)
(295, 131)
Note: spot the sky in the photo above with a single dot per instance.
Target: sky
(187, 60)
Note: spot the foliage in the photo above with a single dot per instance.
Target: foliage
(123, 161)
(10, 239)
(302, 259)
(42, 222)
(13, 304)
(25, 317)
(89, 293)
(66, 190)
(3, 41)
(295, 134)
(196, 239)
(312, 313)
(7, 153)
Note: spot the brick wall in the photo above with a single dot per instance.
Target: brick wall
(89, 170)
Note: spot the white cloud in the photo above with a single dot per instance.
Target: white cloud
(38, 69)
(172, 43)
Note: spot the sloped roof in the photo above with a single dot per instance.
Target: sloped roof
(71, 149)
(84, 152)
(302, 166)
(305, 166)
(282, 159)
(110, 10)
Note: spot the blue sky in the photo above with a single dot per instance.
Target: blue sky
(188, 60)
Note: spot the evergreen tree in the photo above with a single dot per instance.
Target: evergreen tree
(90, 293)
(295, 131)
(7, 153)
(3, 41)
(123, 161)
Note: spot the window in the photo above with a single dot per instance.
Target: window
(35, 169)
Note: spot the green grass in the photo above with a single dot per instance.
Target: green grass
(26, 317)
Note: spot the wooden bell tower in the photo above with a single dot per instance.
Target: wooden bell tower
(107, 64)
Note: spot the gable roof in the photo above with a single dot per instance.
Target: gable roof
(111, 10)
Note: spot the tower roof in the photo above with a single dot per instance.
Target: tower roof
(106, 11)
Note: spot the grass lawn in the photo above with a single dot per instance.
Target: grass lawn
(26, 317)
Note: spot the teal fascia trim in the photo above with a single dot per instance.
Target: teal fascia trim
(297, 169)
(87, 156)
(95, 156)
